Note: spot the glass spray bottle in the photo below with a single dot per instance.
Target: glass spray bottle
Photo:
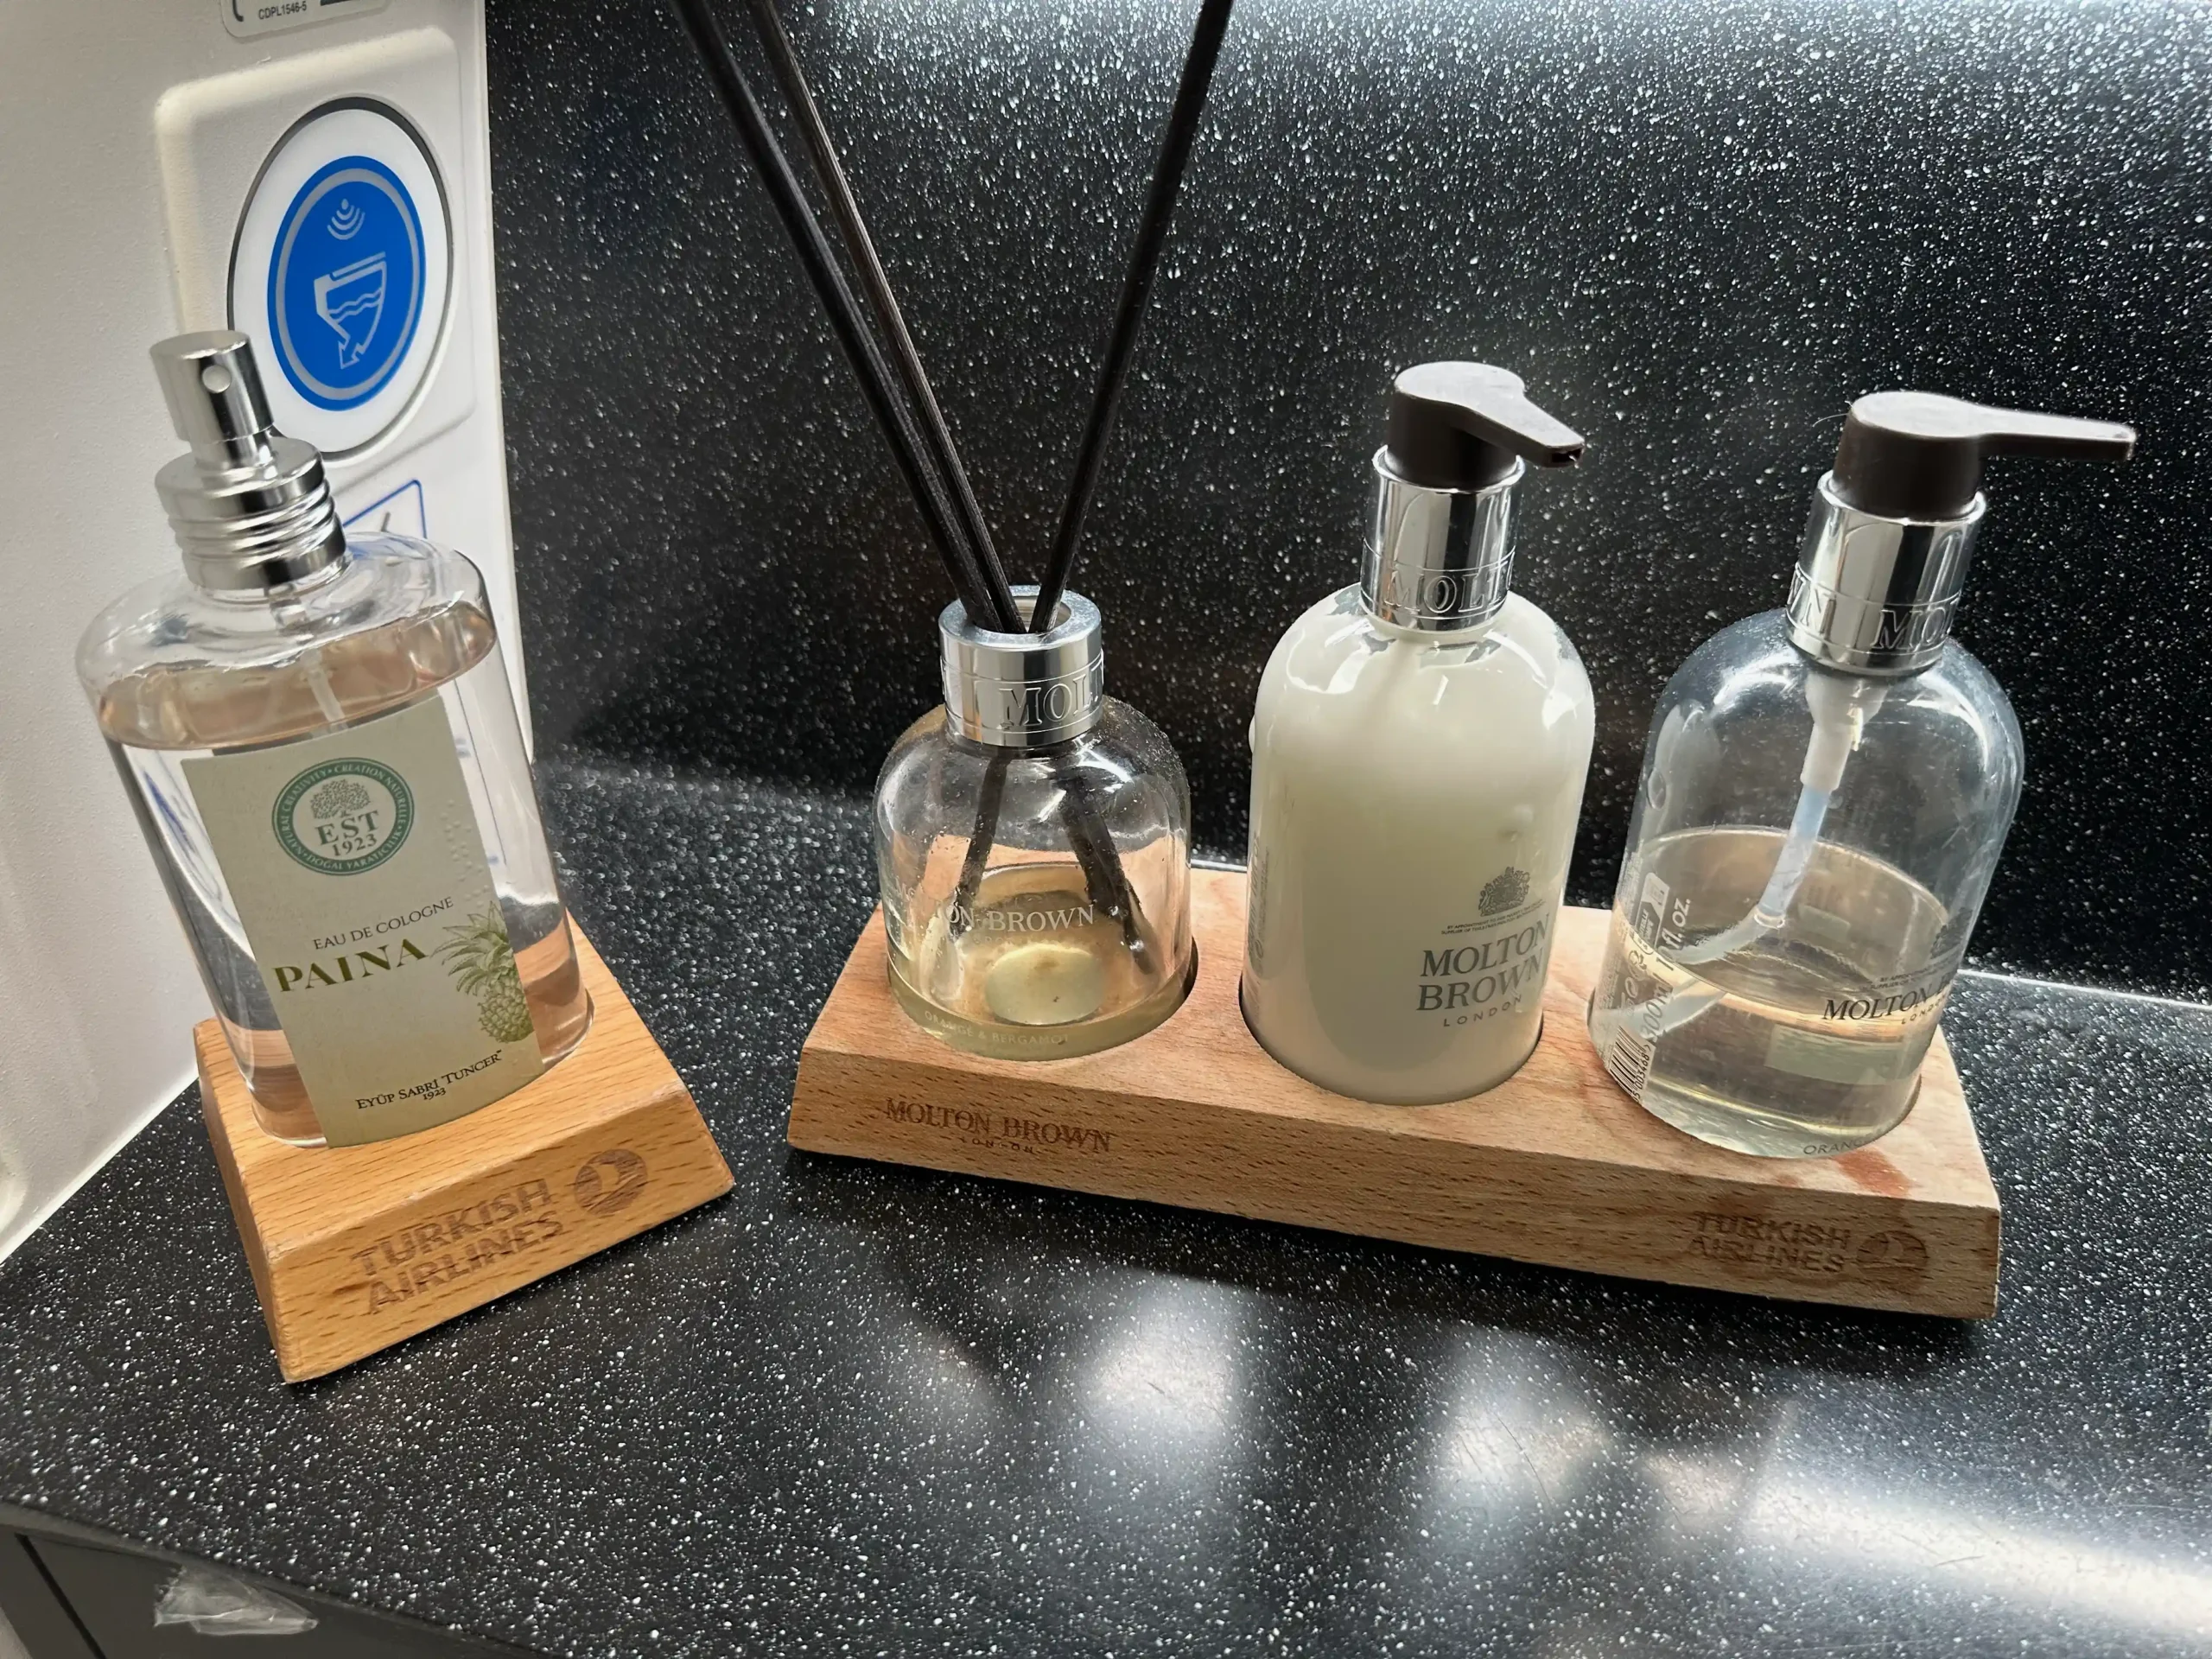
(1826, 791)
(319, 736)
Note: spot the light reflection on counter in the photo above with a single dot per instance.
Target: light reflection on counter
(1702, 1490)
(1520, 1435)
(1799, 1522)
(945, 1389)
(1166, 1379)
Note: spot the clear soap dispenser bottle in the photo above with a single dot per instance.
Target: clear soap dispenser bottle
(1418, 749)
(1826, 789)
(318, 736)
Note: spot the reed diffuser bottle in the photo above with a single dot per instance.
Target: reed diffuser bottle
(1032, 835)
(1032, 844)
(320, 743)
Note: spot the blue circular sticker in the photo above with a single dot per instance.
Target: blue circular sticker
(345, 284)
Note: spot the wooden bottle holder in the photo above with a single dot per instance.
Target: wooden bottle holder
(1555, 1166)
(353, 1249)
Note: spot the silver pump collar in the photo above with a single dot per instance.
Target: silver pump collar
(1024, 690)
(1438, 561)
(1875, 595)
(251, 507)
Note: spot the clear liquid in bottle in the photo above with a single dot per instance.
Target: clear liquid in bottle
(167, 713)
(1033, 967)
(1805, 1043)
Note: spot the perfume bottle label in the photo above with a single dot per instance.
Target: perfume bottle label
(1658, 919)
(355, 863)
(1054, 912)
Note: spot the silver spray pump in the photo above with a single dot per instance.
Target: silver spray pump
(251, 507)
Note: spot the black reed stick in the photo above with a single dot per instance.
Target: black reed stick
(977, 859)
(1089, 839)
(940, 518)
(1136, 294)
(875, 284)
(1093, 844)
(982, 592)
(1103, 875)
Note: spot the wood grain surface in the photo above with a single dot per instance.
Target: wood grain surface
(353, 1249)
(1555, 1166)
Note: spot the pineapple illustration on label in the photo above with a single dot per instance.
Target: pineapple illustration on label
(482, 962)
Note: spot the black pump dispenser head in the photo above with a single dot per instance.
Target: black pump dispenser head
(1885, 558)
(1918, 455)
(1463, 426)
(1439, 548)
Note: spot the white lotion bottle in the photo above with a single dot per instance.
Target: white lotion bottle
(1419, 750)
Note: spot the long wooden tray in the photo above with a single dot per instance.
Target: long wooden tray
(1556, 1165)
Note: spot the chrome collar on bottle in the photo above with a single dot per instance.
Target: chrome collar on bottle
(1023, 690)
(251, 507)
(1876, 596)
(1438, 561)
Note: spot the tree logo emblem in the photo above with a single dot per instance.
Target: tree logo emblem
(340, 817)
(1504, 891)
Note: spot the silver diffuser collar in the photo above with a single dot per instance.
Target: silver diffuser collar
(1875, 595)
(1438, 561)
(1023, 690)
(251, 507)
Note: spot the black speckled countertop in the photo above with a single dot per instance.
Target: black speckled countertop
(855, 1409)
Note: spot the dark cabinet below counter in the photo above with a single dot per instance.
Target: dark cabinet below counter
(71, 1594)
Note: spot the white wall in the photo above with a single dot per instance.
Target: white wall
(97, 995)
(96, 991)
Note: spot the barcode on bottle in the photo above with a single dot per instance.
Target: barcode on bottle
(1629, 1061)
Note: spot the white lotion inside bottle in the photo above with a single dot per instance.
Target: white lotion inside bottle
(1419, 750)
